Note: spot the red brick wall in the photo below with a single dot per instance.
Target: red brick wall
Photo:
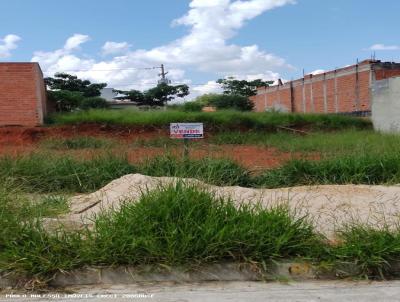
(343, 90)
(22, 94)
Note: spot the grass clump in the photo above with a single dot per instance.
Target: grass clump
(181, 224)
(77, 142)
(214, 171)
(367, 250)
(42, 172)
(222, 120)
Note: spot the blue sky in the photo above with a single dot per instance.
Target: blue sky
(209, 39)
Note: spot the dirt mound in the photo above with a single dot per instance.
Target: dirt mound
(330, 206)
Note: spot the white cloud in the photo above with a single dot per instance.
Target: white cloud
(8, 43)
(115, 47)
(384, 47)
(209, 87)
(205, 48)
(75, 41)
(318, 71)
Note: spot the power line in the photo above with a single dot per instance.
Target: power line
(113, 69)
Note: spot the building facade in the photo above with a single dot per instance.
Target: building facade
(345, 90)
(22, 94)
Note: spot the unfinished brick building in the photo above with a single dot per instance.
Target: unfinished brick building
(22, 94)
(344, 90)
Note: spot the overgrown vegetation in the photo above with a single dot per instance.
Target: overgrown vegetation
(76, 142)
(185, 225)
(44, 172)
(326, 143)
(223, 120)
(369, 169)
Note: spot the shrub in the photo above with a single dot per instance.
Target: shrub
(93, 103)
(64, 100)
(192, 107)
(228, 101)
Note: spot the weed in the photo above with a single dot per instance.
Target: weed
(43, 172)
(369, 251)
(210, 170)
(216, 120)
(78, 142)
(181, 224)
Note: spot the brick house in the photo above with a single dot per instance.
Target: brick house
(344, 90)
(22, 94)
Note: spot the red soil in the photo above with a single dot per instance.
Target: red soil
(20, 140)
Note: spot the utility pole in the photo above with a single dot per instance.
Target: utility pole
(164, 79)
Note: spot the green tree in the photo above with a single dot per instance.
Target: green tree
(230, 101)
(163, 93)
(94, 102)
(65, 81)
(65, 100)
(157, 96)
(242, 87)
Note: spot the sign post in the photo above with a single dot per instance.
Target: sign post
(186, 131)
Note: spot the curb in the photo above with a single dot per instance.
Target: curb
(288, 271)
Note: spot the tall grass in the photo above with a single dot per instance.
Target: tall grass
(184, 225)
(78, 142)
(44, 172)
(172, 225)
(216, 120)
(214, 171)
(50, 173)
(327, 143)
(370, 251)
(181, 224)
(369, 169)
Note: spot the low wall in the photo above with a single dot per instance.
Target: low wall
(386, 105)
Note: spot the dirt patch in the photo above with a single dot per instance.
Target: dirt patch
(329, 206)
(26, 136)
(21, 140)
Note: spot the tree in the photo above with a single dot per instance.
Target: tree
(94, 102)
(65, 100)
(157, 96)
(230, 101)
(242, 87)
(65, 81)
(163, 93)
(134, 96)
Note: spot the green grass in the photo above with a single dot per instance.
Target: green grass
(214, 171)
(221, 120)
(327, 143)
(369, 250)
(369, 169)
(77, 142)
(176, 224)
(185, 225)
(45, 172)
(181, 224)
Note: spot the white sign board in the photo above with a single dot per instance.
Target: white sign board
(186, 130)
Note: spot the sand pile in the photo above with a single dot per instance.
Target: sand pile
(330, 206)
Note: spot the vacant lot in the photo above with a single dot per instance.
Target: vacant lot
(42, 169)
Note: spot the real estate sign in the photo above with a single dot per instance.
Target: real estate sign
(186, 130)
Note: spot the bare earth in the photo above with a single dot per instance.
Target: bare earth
(330, 206)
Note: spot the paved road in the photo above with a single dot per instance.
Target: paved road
(226, 291)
